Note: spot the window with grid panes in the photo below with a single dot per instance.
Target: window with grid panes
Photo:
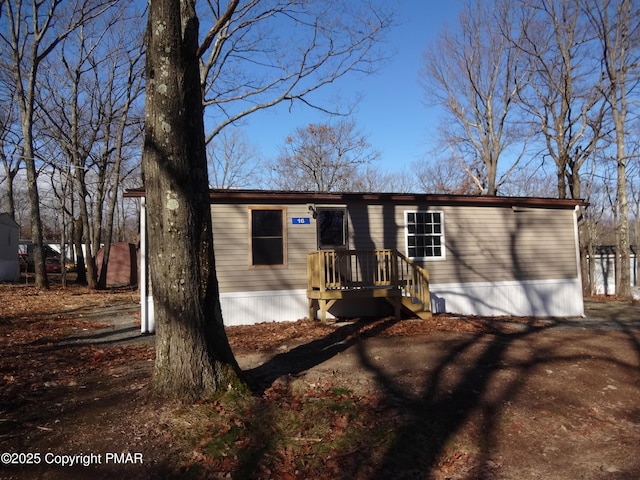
(425, 234)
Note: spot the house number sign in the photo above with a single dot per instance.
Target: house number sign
(301, 220)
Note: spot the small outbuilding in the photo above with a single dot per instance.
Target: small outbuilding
(604, 262)
(9, 260)
(122, 267)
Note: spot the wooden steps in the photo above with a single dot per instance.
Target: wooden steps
(334, 275)
(414, 308)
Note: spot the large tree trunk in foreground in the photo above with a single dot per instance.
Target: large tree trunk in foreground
(193, 357)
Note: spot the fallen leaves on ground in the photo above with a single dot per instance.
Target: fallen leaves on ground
(292, 430)
(266, 337)
(319, 431)
(34, 365)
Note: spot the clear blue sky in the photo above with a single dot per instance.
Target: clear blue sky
(392, 112)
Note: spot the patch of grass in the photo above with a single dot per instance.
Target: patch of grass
(222, 441)
(341, 391)
(303, 432)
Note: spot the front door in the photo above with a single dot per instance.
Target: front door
(331, 223)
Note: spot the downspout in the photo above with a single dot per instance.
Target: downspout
(147, 323)
(576, 211)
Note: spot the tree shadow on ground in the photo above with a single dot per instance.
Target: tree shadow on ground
(309, 355)
(448, 399)
(433, 416)
(471, 382)
(462, 388)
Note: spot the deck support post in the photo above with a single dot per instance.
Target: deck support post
(397, 306)
(324, 306)
(312, 310)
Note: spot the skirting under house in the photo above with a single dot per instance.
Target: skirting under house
(543, 298)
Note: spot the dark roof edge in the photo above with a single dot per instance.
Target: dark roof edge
(282, 196)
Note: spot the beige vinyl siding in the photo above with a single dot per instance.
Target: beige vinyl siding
(231, 224)
(492, 244)
(483, 244)
(375, 226)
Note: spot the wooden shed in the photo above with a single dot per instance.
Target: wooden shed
(122, 268)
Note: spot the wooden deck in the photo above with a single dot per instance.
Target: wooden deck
(334, 275)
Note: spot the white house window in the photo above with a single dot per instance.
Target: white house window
(425, 235)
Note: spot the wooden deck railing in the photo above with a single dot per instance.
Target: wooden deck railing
(334, 274)
(350, 269)
(414, 279)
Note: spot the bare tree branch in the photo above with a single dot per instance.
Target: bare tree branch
(215, 30)
(274, 51)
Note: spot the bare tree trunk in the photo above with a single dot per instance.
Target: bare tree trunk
(11, 169)
(81, 269)
(591, 251)
(562, 184)
(37, 237)
(26, 100)
(623, 255)
(91, 276)
(615, 24)
(10, 161)
(11, 207)
(585, 239)
(63, 245)
(587, 252)
(193, 357)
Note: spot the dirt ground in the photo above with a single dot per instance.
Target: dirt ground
(462, 397)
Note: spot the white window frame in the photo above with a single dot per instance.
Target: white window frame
(443, 250)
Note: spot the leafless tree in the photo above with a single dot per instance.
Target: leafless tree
(472, 73)
(74, 128)
(233, 161)
(121, 91)
(323, 157)
(88, 91)
(373, 179)
(597, 224)
(62, 187)
(617, 27)
(31, 31)
(563, 94)
(446, 176)
(531, 180)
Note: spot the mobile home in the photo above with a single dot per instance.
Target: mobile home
(284, 255)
